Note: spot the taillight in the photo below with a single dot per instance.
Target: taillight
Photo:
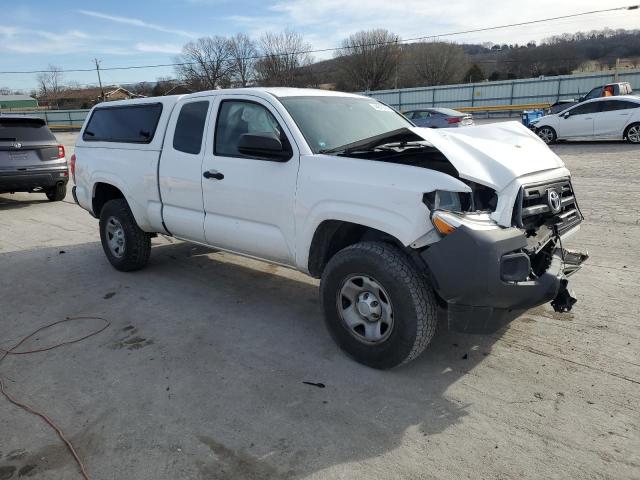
(454, 120)
(60, 151)
(72, 167)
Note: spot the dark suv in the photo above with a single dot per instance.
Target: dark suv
(31, 160)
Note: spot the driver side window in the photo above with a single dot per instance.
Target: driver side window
(591, 107)
(237, 117)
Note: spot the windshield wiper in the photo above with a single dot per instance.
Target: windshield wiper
(395, 136)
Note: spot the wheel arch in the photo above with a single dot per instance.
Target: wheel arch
(102, 193)
(105, 188)
(331, 236)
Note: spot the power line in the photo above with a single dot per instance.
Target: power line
(336, 49)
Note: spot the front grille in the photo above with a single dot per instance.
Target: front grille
(533, 210)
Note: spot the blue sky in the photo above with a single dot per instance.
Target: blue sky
(70, 33)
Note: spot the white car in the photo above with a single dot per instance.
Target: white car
(606, 118)
(397, 221)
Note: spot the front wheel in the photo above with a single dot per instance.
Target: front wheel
(633, 133)
(378, 307)
(126, 246)
(547, 134)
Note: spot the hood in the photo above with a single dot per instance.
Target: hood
(492, 154)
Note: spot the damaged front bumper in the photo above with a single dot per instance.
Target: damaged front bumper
(485, 277)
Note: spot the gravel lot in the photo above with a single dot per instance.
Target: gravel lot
(200, 375)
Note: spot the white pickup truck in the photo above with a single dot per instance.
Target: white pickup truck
(397, 221)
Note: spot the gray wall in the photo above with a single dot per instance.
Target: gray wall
(71, 118)
(506, 92)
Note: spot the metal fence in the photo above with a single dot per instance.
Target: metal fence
(58, 119)
(506, 92)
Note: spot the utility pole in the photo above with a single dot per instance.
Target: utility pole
(99, 79)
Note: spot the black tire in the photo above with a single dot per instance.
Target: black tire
(413, 303)
(57, 193)
(634, 138)
(547, 134)
(136, 243)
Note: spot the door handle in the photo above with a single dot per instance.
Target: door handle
(216, 175)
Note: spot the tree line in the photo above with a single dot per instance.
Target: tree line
(370, 60)
(378, 59)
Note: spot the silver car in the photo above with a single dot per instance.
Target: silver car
(439, 118)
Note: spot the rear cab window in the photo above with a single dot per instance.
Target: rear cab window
(134, 123)
(24, 130)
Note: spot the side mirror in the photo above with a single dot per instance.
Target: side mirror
(566, 114)
(265, 145)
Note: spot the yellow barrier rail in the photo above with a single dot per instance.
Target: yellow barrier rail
(504, 108)
(62, 126)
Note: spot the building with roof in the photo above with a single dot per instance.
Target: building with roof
(85, 97)
(10, 102)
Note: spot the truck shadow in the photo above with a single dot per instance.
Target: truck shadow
(236, 340)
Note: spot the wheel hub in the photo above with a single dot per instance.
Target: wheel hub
(115, 237)
(365, 309)
(369, 306)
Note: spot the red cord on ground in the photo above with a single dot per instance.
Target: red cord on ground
(27, 408)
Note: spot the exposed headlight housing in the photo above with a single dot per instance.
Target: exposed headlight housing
(450, 210)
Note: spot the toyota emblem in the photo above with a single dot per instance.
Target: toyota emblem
(554, 201)
(17, 146)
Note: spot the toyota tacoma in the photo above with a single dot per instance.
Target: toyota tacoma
(397, 222)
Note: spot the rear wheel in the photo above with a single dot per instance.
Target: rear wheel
(378, 307)
(126, 246)
(632, 133)
(547, 134)
(57, 193)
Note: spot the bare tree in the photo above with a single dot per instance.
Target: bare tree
(438, 63)
(284, 60)
(369, 59)
(50, 82)
(164, 85)
(244, 56)
(206, 64)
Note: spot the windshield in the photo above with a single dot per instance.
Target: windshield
(330, 122)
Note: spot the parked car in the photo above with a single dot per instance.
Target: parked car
(395, 220)
(439, 118)
(613, 118)
(31, 160)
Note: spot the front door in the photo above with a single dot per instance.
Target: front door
(577, 122)
(249, 199)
